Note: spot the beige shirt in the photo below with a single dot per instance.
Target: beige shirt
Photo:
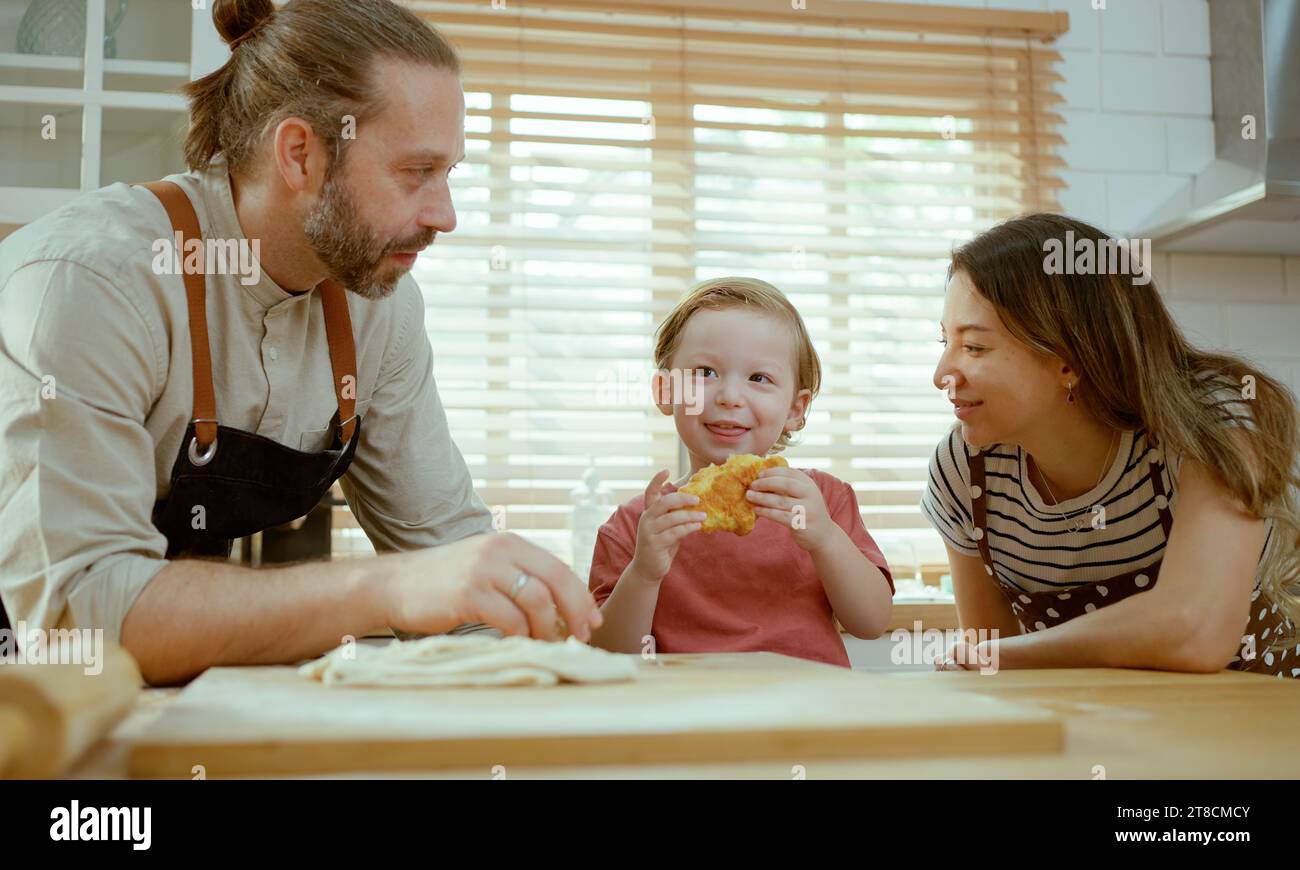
(96, 393)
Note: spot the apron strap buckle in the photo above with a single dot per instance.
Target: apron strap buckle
(342, 428)
(200, 459)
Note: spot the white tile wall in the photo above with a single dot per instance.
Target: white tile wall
(1185, 27)
(1129, 25)
(1087, 196)
(1262, 329)
(1139, 121)
(1220, 276)
(1156, 86)
(1201, 321)
(1247, 305)
(1137, 102)
(1103, 144)
(1082, 73)
(1085, 24)
(1138, 126)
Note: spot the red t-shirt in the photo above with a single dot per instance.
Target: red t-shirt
(726, 593)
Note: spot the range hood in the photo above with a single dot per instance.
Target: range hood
(1248, 200)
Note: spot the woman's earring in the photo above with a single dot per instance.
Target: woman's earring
(1069, 393)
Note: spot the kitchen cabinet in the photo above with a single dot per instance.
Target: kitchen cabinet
(76, 122)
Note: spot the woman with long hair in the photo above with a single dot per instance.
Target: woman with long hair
(1113, 496)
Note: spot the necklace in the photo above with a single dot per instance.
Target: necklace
(1075, 526)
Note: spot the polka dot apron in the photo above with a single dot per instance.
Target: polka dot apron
(1042, 610)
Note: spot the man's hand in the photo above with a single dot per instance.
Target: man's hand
(790, 497)
(432, 591)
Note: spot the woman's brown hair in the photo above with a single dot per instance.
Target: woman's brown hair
(312, 59)
(1136, 369)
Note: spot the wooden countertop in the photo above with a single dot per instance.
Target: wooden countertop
(1118, 724)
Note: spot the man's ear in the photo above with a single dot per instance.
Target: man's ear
(798, 415)
(661, 391)
(299, 155)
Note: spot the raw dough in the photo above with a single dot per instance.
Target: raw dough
(469, 660)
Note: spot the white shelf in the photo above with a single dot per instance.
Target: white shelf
(81, 97)
(11, 60)
(118, 66)
(118, 118)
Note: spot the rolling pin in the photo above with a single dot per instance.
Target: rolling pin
(52, 713)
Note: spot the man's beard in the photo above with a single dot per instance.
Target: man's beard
(348, 247)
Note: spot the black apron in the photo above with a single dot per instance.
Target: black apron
(227, 483)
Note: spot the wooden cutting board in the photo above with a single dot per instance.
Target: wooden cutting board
(684, 708)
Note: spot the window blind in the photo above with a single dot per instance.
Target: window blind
(618, 152)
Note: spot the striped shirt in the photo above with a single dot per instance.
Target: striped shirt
(1033, 543)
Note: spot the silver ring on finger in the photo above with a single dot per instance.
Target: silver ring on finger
(520, 582)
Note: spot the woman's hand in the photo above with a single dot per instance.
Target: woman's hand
(661, 528)
(960, 657)
(966, 656)
(791, 498)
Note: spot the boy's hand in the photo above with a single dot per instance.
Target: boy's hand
(791, 498)
(661, 528)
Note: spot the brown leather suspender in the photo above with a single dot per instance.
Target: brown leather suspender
(338, 326)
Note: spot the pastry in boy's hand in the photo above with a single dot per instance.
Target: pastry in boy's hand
(721, 490)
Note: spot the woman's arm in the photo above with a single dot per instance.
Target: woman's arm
(1191, 620)
(980, 605)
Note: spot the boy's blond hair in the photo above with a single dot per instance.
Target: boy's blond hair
(737, 292)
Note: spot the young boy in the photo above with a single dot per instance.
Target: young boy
(808, 560)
